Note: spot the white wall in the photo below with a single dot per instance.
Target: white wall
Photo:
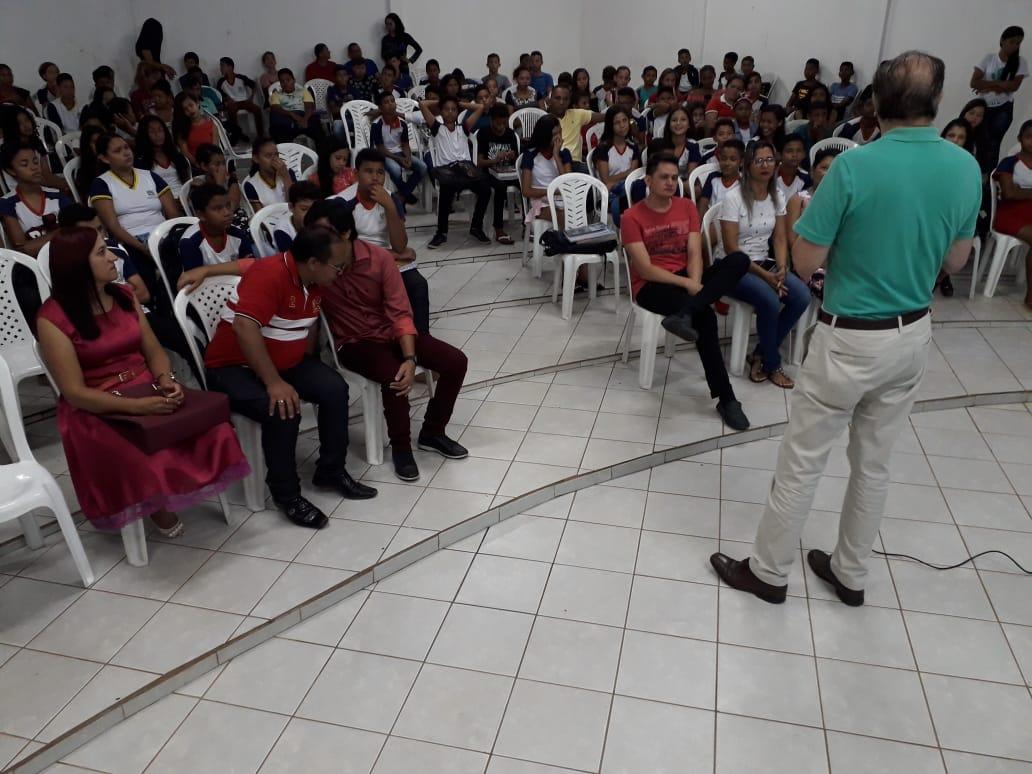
(78, 36)
(461, 33)
(961, 35)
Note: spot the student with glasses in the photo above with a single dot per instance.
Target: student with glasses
(752, 218)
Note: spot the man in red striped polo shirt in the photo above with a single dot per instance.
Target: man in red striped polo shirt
(262, 357)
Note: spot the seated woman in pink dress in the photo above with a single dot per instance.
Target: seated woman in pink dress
(95, 339)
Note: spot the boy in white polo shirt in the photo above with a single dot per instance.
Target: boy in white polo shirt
(380, 220)
(389, 134)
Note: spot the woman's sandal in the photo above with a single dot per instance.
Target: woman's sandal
(779, 378)
(171, 533)
(756, 372)
(504, 239)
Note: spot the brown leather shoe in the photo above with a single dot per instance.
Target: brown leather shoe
(738, 575)
(820, 563)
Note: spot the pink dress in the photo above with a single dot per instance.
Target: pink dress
(116, 482)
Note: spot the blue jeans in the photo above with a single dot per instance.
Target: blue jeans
(617, 199)
(775, 317)
(416, 173)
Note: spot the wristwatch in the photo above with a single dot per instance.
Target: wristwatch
(410, 357)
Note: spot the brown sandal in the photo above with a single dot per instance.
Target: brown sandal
(779, 378)
(756, 372)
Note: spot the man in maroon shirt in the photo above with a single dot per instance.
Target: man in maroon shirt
(371, 320)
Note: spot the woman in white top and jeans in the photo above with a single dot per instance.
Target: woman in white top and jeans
(752, 219)
(996, 78)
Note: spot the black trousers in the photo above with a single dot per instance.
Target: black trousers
(316, 383)
(448, 191)
(717, 280)
(500, 188)
(419, 298)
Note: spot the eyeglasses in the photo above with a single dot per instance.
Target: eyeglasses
(765, 162)
(337, 268)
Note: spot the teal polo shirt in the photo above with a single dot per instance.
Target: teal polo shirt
(889, 212)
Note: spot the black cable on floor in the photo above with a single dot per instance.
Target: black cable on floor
(958, 564)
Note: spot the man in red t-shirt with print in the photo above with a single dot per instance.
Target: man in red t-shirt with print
(722, 104)
(262, 357)
(661, 235)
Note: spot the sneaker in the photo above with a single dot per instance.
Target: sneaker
(681, 326)
(302, 512)
(444, 446)
(731, 412)
(405, 466)
(479, 235)
(438, 240)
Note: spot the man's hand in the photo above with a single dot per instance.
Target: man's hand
(191, 278)
(378, 194)
(283, 399)
(692, 286)
(406, 163)
(402, 383)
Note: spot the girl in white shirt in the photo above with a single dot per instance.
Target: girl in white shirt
(752, 221)
(157, 153)
(616, 157)
(996, 78)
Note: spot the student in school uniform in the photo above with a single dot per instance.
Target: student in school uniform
(213, 239)
(453, 154)
(616, 157)
(722, 105)
(522, 94)
(156, 152)
(729, 72)
(302, 196)
(29, 213)
(745, 128)
(292, 111)
(389, 134)
(790, 178)
(719, 184)
(64, 111)
(498, 148)
(686, 75)
(238, 94)
(270, 180)
(380, 220)
(864, 128)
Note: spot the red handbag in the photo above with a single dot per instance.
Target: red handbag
(200, 411)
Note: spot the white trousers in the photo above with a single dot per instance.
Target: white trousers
(867, 380)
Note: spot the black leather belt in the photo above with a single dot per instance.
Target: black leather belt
(858, 324)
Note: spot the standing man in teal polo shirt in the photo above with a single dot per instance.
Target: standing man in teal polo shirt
(885, 220)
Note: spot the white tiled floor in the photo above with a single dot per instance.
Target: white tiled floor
(590, 635)
(615, 575)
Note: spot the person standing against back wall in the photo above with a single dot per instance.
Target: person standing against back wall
(887, 217)
(996, 78)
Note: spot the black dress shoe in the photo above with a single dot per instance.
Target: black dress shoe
(444, 446)
(731, 412)
(479, 235)
(738, 575)
(681, 326)
(345, 484)
(820, 563)
(405, 466)
(302, 512)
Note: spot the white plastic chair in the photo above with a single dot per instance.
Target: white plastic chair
(999, 247)
(275, 87)
(207, 301)
(840, 143)
(593, 134)
(573, 190)
(532, 231)
(43, 263)
(26, 486)
(69, 172)
(976, 258)
(699, 175)
(222, 140)
(639, 174)
(706, 144)
(527, 118)
(154, 240)
(67, 146)
(417, 92)
(16, 337)
(294, 155)
(318, 88)
(837, 131)
(650, 328)
(740, 317)
(184, 197)
(49, 132)
(406, 105)
(1014, 150)
(795, 123)
(262, 224)
(358, 132)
